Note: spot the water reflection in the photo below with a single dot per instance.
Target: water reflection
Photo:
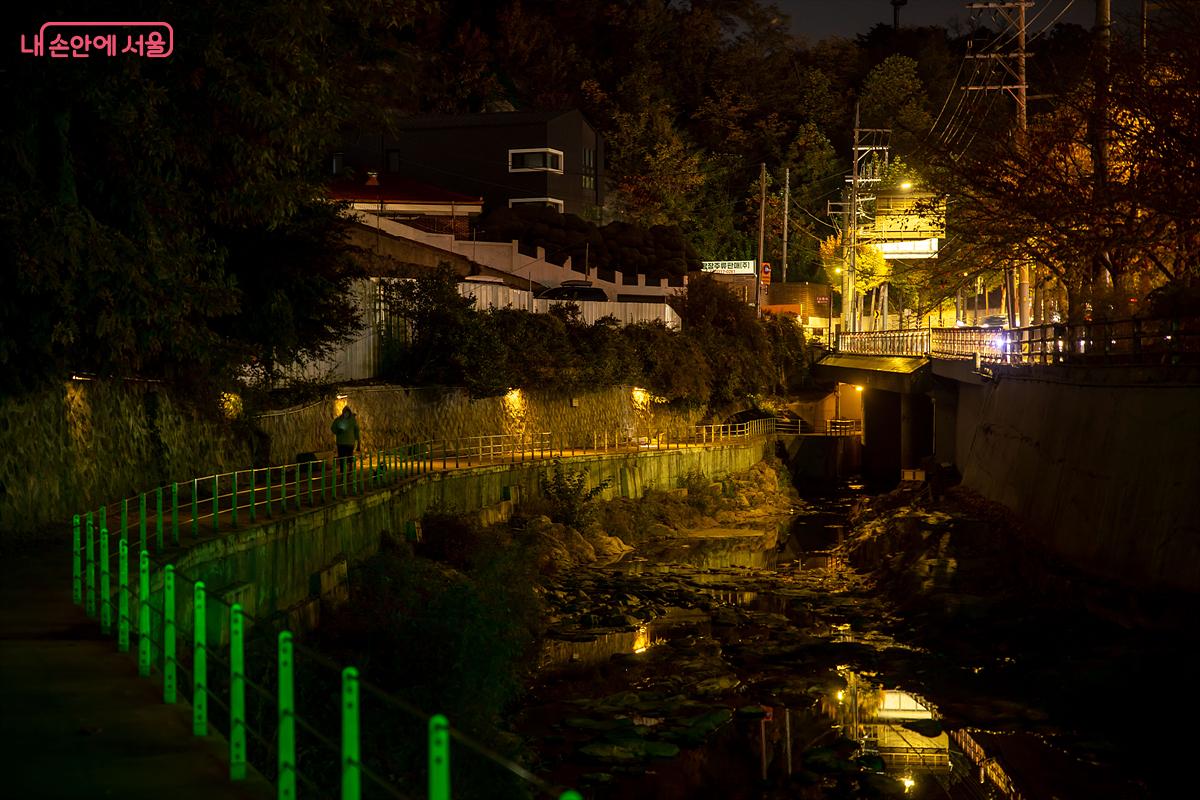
(897, 729)
(559, 653)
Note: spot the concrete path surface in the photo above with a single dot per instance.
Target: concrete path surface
(76, 721)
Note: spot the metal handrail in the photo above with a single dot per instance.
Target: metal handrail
(1165, 341)
(914, 342)
(230, 498)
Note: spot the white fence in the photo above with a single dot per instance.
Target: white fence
(494, 295)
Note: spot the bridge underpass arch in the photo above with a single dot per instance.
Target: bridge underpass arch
(897, 409)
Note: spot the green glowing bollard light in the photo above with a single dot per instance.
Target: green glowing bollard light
(233, 505)
(216, 505)
(142, 522)
(89, 555)
(76, 563)
(199, 664)
(175, 514)
(285, 780)
(169, 634)
(351, 777)
(103, 517)
(105, 593)
(237, 695)
(570, 794)
(123, 596)
(195, 508)
(144, 614)
(439, 758)
(253, 499)
(124, 519)
(158, 520)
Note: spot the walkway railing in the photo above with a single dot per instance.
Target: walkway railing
(1131, 341)
(248, 689)
(118, 593)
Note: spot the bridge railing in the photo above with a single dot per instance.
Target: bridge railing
(843, 427)
(913, 342)
(112, 580)
(1129, 341)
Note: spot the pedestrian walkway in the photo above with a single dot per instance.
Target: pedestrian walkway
(76, 721)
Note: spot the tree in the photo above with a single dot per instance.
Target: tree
(656, 172)
(729, 334)
(146, 254)
(1099, 233)
(893, 97)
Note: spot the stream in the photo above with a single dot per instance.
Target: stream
(743, 663)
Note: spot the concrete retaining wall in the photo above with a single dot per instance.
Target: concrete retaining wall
(275, 566)
(1109, 474)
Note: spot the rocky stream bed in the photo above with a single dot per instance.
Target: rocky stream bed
(754, 643)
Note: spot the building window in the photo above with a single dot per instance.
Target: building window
(544, 202)
(542, 159)
(589, 168)
(338, 163)
(393, 161)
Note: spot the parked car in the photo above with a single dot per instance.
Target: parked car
(994, 322)
(574, 290)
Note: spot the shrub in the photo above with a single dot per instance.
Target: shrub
(570, 500)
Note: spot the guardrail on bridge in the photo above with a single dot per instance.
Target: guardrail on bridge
(1130, 341)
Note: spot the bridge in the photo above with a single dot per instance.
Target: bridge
(914, 381)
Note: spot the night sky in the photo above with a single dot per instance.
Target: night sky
(816, 19)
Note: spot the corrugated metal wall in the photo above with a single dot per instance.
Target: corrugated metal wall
(359, 360)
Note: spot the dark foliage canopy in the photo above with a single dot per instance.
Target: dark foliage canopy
(161, 216)
(722, 354)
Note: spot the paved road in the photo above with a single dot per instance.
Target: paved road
(75, 719)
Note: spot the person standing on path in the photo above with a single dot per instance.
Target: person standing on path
(345, 433)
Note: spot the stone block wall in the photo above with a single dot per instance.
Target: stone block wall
(390, 415)
(84, 443)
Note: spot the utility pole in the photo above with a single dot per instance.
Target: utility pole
(867, 142)
(853, 266)
(1103, 34)
(787, 191)
(1020, 307)
(1145, 23)
(762, 222)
